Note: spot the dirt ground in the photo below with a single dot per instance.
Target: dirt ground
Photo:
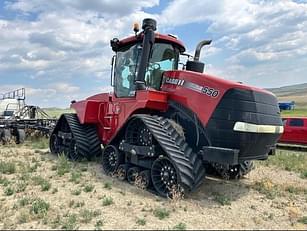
(84, 198)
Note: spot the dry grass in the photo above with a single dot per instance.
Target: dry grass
(43, 191)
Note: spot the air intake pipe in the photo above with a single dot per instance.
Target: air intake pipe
(196, 65)
(149, 27)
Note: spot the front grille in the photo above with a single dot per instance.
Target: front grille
(245, 106)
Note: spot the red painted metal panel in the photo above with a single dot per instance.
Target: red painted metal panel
(87, 111)
(111, 113)
(200, 103)
(158, 37)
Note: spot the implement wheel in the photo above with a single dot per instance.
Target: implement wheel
(20, 136)
(6, 136)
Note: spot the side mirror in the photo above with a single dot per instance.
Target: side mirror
(113, 60)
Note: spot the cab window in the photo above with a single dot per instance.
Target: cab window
(164, 57)
(126, 70)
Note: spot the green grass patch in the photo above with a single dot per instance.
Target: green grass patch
(87, 215)
(76, 192)
(106, 201)
(40, 143)
(290, 161)
(4, 181)
(98, 225)
(7, 167)
(8, 191)
(21, 186)
(293, 113)
(222, 199)
(303, 220)
(38, 180)
(304, 174)
(267, 188)
(23, 217)
(141, 221)
(88, 188)
(180, 226)
(63, 165)
(57, 112)
(24, 201)
(75, 177)
(108, 185)
(161, 213)
(39, 207)
(70, 222)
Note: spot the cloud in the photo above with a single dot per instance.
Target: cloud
(114, 7)
(63, 45)
(65, 88)
(252, 34)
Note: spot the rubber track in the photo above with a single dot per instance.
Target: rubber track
(85, 135)
(188, 164)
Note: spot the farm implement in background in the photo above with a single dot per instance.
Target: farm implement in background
(19, 120)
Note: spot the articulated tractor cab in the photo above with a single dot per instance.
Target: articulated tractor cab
(167, 128)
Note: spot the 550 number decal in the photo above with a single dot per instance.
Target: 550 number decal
(210, 92)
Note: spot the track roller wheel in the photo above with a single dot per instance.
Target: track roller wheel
(111, 159)
(164, 176)
(145, 179)
(73, 152)
(122, 172)
(233, 172)
(132, 174)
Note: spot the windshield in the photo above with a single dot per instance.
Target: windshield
(164, 57)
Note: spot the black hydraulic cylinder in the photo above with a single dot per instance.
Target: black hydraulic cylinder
(149, 27)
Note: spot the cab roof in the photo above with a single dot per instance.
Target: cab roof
(158, 38)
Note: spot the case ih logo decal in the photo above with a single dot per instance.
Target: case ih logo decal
(179, 82)
(195, 87)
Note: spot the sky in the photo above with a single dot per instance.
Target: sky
(60, 49)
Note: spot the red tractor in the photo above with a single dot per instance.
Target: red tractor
(169, 127)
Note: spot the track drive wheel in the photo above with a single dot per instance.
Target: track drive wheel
(111, 159)
(137, 133)
(164, 176)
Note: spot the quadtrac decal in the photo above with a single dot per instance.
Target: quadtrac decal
(211, 92)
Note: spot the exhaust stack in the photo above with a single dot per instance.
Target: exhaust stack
(196, 65)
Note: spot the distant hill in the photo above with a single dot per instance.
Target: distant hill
(297, 92)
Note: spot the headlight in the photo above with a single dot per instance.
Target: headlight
(257, 128)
